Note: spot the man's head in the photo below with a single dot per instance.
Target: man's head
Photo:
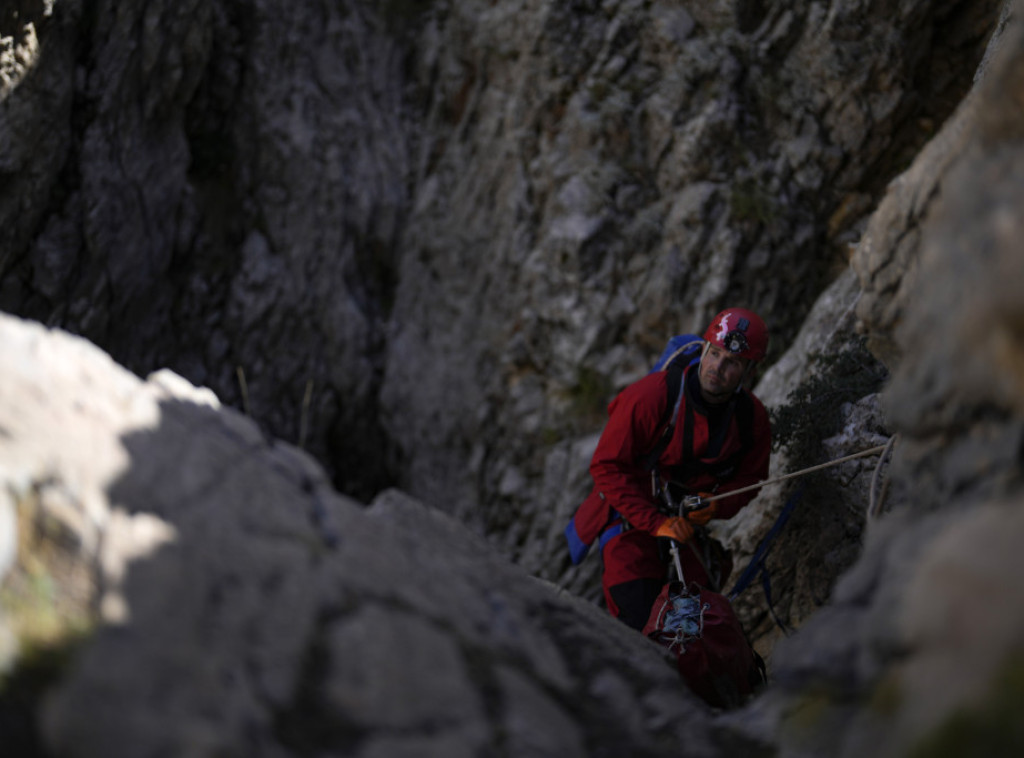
(735, 340)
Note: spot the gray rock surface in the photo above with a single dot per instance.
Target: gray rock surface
(897, 659)
(665, 163)
(237, 604)
(428, 243)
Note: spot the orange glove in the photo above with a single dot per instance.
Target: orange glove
(675, 527)
(704, 514)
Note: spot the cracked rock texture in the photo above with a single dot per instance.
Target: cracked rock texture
(428, 241)
(238, 604)
(389, 248)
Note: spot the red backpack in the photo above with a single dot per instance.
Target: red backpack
(713, 654)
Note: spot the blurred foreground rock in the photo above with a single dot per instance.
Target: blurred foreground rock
(218, 597)
(226, 601)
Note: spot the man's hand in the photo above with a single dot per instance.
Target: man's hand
(704, 513)
(675, 527)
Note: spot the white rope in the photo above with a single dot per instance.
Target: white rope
(837, 461)
(875, 506)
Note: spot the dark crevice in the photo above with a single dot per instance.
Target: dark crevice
(306, 728)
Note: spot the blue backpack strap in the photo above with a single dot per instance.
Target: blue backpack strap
(590, 520)
(681, 351)
(676, 388)
(578, 549)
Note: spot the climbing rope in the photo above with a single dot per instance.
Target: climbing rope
(875, 502)
(757, 565)
(802, 472)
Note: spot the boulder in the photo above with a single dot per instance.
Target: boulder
(226, 600)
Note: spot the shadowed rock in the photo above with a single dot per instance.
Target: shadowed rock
(239, 605)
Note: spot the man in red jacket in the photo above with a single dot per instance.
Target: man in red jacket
(718, 440)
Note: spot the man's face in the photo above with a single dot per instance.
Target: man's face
(720, 373)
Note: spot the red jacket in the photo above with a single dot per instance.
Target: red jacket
(636, 421)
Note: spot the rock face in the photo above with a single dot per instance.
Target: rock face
(428, 243)
(923, 634)
(215, 187)
(240, 605)
(667, 162)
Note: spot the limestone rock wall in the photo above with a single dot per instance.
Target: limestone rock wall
(635, 167)
(427, 241)
(216, 187)
(226, 600)
(921, 638)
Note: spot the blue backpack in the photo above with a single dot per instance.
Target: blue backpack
(684, 349)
